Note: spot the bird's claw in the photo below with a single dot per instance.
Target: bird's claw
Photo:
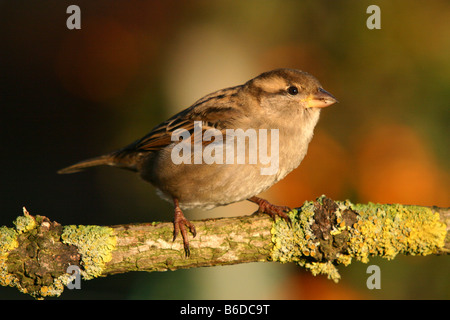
(272, 210)
(181, 224)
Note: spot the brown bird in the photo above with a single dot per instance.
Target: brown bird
(228, 146)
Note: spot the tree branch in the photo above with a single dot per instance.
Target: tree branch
(35, 254)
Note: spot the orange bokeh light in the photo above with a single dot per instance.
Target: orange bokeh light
(394, 165)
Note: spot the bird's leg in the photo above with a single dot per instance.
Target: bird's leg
(270, 209)
(179, 224)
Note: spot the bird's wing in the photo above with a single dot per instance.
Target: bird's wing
(216, 110)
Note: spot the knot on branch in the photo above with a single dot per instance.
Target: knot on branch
(36, 260)
(35, 255)
(329, 228)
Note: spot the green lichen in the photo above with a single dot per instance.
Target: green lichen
(8, 242)
(25, 223)
(291, 244)
(8, 236)
(94, 243)
(379, 230)
(30, 233)
(297, 243)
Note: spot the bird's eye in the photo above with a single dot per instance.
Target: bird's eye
(292, 90)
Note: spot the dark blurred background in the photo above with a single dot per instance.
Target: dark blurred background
(67, 95)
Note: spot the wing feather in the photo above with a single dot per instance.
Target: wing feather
(216, 110)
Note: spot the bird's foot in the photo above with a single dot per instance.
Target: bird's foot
(180, 224)
(271, 209)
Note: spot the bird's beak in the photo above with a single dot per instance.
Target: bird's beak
(320, 99)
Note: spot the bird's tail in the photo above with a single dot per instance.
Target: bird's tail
(93, 162)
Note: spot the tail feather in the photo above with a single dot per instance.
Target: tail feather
(93, 162)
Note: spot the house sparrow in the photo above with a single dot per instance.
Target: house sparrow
(283, 104)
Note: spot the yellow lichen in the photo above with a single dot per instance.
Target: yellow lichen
(381, 230)
(25, 223)
(291, 243)
(326, 268)
(54, 290)
(387, 230)
(95, 244)
(8, 242)
(344, 259)
(298, 242)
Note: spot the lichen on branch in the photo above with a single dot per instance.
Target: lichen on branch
(326, 233)
(322, 234)
(35, 255)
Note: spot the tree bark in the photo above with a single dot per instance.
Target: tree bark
(224, 241)
(35, 254)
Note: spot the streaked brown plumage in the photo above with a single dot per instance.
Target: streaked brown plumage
(285, 99)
